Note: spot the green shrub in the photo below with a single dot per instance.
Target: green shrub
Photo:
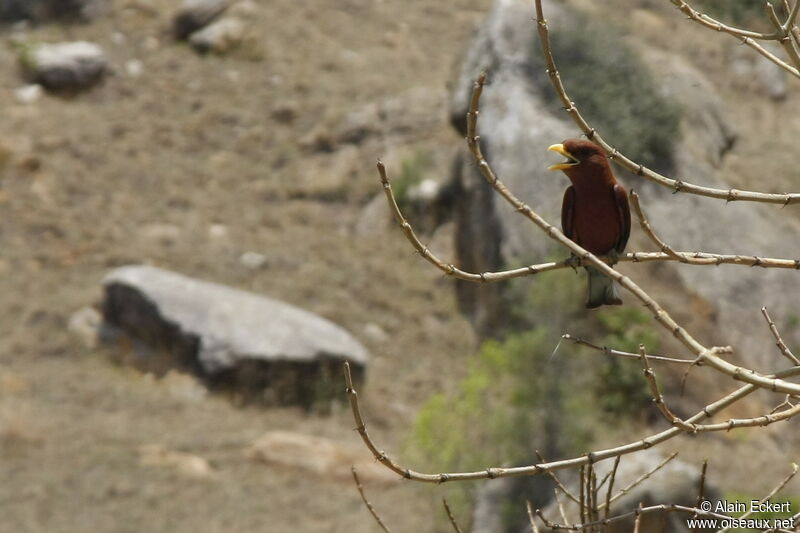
(412, 171)
(613, 89)
(622, 389)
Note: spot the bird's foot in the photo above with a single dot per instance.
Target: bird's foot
(573, 262)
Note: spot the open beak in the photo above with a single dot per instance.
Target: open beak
(570, 162)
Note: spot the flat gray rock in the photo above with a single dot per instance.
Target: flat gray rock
(224, 333)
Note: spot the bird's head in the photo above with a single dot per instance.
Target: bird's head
(583, 157)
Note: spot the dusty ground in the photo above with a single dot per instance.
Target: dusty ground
(186, 167)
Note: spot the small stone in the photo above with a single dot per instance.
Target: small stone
(253, 260)
(375, 332)
(165, 234)
(285, 113)
(184, 387)
(28, 94)
(134, 68)
(219, 37)
(190, 465)
(217, 231)
(195, 14)
(318, 456)
(151, 43)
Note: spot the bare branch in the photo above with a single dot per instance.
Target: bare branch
(729, 195)
(560, 486)
(532, 470)
(648, 229)
(619, 353)
(607, 505)
(770, 56)
(769, 496)
(641, 478)
(785, 351)
(366, 501)
(638, 520)
(784, 34)
(716, 25)
(658, 399)
(450, 516)
(534, 527)
(701, 487)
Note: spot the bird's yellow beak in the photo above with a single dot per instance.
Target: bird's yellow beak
(571, 159)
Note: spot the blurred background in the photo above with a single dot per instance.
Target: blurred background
(235, 143)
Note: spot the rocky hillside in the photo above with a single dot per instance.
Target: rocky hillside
(252, 165)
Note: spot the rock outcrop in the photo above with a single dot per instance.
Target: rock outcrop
(263, 348)
(516, 126)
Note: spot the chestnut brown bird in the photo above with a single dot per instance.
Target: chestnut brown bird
(595, 212)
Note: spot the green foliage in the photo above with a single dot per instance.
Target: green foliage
(496, 415)
(613, 89)
(621, 388)
(412, 171)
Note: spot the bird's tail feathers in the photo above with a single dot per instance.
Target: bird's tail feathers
(602, 290)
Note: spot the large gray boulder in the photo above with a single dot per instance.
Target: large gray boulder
(255, 344)
(516, 127)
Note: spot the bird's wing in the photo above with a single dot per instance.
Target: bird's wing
(568, 212)
(624, 212)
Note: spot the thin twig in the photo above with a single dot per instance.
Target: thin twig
(785, 351)
(607, 505)
(371, 509)
(658, 399)
(650, 232)
(619, 353)
(450, 516)
(729, 195)
(534, 527)
(638, 520)
(701, 487)
(642, 478)
(768, 497)
(713, 24)
(560, 505)
(560, 486)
